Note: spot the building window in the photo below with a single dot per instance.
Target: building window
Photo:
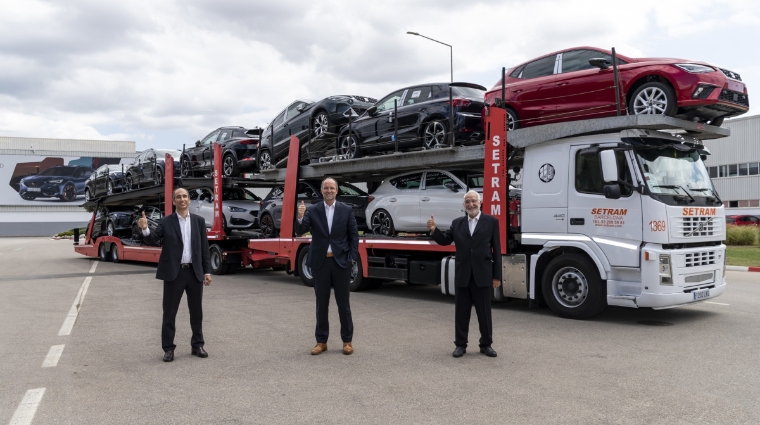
(753, 169)
(733, 204)
(733, 170)
(754, 203)
(743, 204)
(743, 169)
(723, 171)
(713, 172)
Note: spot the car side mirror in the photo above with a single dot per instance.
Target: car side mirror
(372, 110)
(452, 186)
(300, 107)
(612, 191)
(600, 63)
(198, 143)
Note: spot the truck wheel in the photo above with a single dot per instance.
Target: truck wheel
(230, 166)
(103, 252)
(512, 122)
(653, 98)
(434, 135)
(266, 225)
(572, 287)
(381, 223)
(304, 271)
(217, 260)
(358, 281)
(114, 253)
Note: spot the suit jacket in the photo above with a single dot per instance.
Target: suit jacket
(172, 246)
(479, 254)
(344, 237)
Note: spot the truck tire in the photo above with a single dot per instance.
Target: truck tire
(103, 252)
(115, 253)
(304, 271)
(572, 287)
(359, 282)
(216, 258)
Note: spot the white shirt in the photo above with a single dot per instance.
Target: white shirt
(186, 230)
(473, 222)
(330, 212)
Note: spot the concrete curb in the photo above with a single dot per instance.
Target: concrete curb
(743, 269)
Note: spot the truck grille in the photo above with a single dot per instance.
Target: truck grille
(699, 278)
(692, 227)
(730, 74)
(734, 97)
(696, 259)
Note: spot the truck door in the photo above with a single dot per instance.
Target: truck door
(613, 224)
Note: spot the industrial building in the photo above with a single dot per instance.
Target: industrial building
(44, 213)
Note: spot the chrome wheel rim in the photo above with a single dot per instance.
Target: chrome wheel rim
(306, 271)
(381, 223)
(320, 124)
(347, 147)
(650, 101)
(435, 135)
(570, 287)
(228, 165)
(216, 260)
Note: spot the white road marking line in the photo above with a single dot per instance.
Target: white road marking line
(713, 302)
(94, 266)
(28, 407)
(68, 323)
(51, 360)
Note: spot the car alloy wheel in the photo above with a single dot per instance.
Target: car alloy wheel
(434, 135)
(158, 178)
(511, 120)
(265, 160)
(348, 148)
(229, 166)
(87, 196)
(653, 98)
(109, 188)
(69, 192)
(128, 182)
(381, 223)
(109, 229)
(185, 167)
(266, 224)
(321, 124)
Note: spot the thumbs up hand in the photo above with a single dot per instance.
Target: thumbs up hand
(431, 223)
(142, 222)
(301, 210)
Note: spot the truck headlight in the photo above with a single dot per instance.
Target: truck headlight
(666, 275)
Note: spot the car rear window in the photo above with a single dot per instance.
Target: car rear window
(469, 92)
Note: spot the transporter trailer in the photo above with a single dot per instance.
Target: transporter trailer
(612, 211)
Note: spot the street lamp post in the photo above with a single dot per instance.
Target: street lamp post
(451, 94)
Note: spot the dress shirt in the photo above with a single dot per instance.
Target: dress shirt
(330, 212)
(185, 229)
(473, 222)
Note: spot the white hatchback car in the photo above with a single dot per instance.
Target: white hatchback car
(403, 203)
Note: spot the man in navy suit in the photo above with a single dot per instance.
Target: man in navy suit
(333, 250)
(183, 266)
(477, 270)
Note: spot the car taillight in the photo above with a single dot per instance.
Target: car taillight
(370, 198)
(249, 142)
(459, 102)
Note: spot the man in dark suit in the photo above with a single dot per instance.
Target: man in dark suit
(333, 250)
(477, 270)
(183, 266)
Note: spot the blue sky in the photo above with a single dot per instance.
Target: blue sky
(164, 73)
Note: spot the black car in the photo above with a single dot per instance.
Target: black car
(113, 221)
(64, 182)
(152, 214)
(309, 191)
(423, 120)
(239, 149)
(106, 180)
(148, 168)
(306, 119)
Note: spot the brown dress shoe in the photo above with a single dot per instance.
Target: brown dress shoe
(347, 348)
(318, 349)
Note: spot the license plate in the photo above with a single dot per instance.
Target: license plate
(33, 189)
(701, 294)
(736, 86)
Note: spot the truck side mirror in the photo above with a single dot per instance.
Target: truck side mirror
(612, 191)
(609, 166)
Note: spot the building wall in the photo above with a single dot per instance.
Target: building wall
(734, 165)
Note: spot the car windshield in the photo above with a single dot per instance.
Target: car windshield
(670, 171)
(469, 92)
(472, 180)
(58, 171)
(161, 154)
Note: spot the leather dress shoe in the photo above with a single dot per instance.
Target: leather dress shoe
(348, 348)
(488, 351)
(168, 355)
(459, 351)
(319, 348)
(200, 352)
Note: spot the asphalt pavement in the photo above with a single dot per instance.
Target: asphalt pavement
(698, 364)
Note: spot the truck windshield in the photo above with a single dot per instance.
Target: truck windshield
(673, 171)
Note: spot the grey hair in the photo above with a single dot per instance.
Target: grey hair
(480, 199)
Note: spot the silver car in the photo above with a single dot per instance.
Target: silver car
(404, 202)
(240, 207)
